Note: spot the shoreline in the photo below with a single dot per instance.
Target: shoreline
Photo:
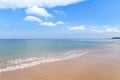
(102, 64)
(37, 61)
(21, 63)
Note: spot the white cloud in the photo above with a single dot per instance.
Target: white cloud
(32, 18)
(31, 3)
(48, 24)
(52, 24)
(59, 12)
(35, 10)
(41, 22)
(60, 22)
(76, 28)
(112, 30)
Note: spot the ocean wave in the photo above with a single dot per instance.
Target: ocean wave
(18, 61)
(29, 62)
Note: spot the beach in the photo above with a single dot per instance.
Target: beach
(59, 39)
(101, 64)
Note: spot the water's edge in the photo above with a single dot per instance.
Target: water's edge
(33, 61)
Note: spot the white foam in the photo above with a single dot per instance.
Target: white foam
(18, 61)
(22, 63)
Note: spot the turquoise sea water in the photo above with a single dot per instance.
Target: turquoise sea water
(20, 53)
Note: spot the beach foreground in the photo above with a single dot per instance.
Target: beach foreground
(101, 64)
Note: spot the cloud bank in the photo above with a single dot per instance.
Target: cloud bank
(105, 29)
(112, 29)
(31, 3)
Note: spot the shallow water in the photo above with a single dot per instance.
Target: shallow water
(21, 53)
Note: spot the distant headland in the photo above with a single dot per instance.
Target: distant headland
(115, 37)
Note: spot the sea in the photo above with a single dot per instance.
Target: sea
(23, 53)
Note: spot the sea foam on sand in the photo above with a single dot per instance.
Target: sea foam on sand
(29, 62)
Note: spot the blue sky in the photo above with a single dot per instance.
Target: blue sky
(59, 18)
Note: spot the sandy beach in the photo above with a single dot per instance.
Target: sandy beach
(101, 64)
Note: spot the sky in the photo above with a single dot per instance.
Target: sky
(59, 19)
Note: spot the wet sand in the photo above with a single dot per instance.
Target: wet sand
(101, 64)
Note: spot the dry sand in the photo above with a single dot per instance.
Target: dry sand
(102, 64)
